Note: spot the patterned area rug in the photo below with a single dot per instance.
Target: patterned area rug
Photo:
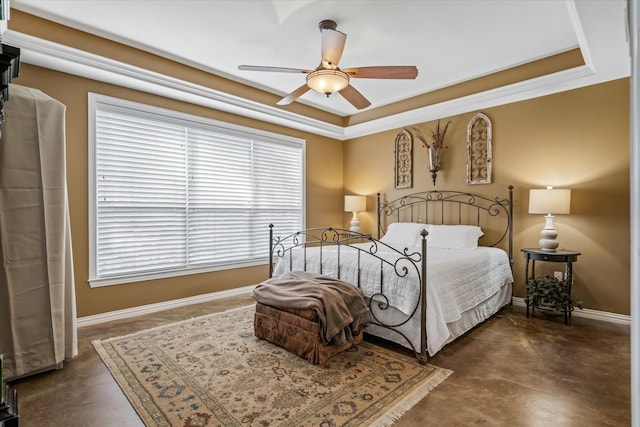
(212, 371)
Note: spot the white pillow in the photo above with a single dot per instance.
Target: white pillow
(454, 236)
(404, 234)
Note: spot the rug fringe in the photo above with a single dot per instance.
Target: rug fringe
(394, 414)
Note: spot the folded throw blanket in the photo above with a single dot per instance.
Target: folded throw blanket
(341, 309)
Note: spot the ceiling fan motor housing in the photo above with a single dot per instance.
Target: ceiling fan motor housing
(327, 24)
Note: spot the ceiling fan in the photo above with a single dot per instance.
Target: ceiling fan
(327, 78)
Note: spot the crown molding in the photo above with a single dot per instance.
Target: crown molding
(47, 54)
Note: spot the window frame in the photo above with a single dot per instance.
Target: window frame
(94, 102)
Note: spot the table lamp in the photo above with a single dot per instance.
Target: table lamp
(355, 204)
(549, 201)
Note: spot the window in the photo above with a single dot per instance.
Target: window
(174, 194)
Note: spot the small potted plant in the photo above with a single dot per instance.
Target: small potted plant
(550, 293)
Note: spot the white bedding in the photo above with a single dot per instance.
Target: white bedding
(457, 282)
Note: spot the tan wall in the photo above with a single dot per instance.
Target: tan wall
(577, 139)
(323, 192)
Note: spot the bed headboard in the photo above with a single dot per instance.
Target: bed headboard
(493, 215)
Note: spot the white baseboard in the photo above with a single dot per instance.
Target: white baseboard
(166, 305)
(605, 316)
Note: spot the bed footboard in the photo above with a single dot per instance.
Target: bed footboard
(356, 258)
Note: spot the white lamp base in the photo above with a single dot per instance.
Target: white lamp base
(548, 241)
(355, 224)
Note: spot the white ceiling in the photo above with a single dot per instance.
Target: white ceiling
(450, 41)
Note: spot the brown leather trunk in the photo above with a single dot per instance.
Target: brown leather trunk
(296, 330)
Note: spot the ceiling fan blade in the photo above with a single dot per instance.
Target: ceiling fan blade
(332, 46)
(294, 95)
(272, 69)
(354, 97)
(384, 72)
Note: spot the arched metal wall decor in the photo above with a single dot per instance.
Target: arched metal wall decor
(404, 160)
(479, 161)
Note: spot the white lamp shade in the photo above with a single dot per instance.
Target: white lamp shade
(549, 201)
(355, 203)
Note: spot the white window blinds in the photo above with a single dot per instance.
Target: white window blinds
(175, 194)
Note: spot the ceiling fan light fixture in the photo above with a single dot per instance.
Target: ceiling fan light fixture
(327, 81)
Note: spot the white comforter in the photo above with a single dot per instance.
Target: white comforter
(457, 280)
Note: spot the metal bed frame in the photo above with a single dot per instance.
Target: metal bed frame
(429, 207)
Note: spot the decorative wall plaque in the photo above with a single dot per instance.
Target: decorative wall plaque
(479, 150)
(404, 160)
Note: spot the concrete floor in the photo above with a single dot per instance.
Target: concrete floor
(509, 371)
